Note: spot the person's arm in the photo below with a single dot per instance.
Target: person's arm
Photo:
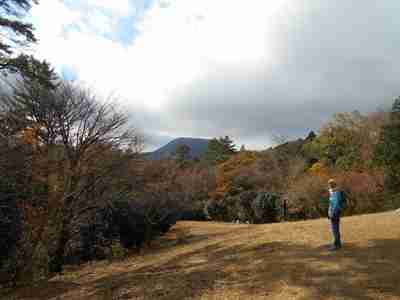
(336, 206)
(330, 208)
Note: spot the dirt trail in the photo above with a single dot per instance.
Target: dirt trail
(225, 261)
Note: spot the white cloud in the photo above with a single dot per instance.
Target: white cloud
(189, 56)
(177, 42)
(117, 7)
(51, 18)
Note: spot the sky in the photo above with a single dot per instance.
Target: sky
(250, 69)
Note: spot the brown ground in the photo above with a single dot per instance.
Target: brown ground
(226, 261)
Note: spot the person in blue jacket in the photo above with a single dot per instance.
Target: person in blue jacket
(334, 213)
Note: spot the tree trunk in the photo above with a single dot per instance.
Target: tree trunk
(57, 257)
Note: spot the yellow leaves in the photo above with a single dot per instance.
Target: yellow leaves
(30, 135)
(231, 169)
(241, 159)
(319, 169)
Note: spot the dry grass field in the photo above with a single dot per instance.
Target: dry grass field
(226, 261)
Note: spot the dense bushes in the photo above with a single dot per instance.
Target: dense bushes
(307, 197)
(266, 207)
(123, 223)
(95, 235)
(252, 207)
(365, 191)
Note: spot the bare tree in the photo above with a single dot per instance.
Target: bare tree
(79, 138)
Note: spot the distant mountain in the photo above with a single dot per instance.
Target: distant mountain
(197, 148)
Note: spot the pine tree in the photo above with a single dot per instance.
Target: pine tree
(219, 150)
(182, 154)
(228, 145)
(16, 34)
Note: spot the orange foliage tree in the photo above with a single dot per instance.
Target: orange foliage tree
(234, 175)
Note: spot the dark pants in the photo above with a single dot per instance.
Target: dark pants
(335, 222)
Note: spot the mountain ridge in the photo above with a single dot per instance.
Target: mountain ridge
(198, 146)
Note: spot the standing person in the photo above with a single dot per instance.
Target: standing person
(335, 199)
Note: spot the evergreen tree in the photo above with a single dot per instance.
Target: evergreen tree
(182, 154)
(219, 150)
(16, 34)
(31, 101)
(228, 145)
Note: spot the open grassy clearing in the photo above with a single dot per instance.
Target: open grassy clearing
(205, 260)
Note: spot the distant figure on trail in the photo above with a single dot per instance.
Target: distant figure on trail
(336, 200)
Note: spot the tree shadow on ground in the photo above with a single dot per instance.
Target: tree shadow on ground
(256, 270)
(52, 291)
(179, 236)
(354, 272)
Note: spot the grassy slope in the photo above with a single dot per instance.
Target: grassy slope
(226, 261)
